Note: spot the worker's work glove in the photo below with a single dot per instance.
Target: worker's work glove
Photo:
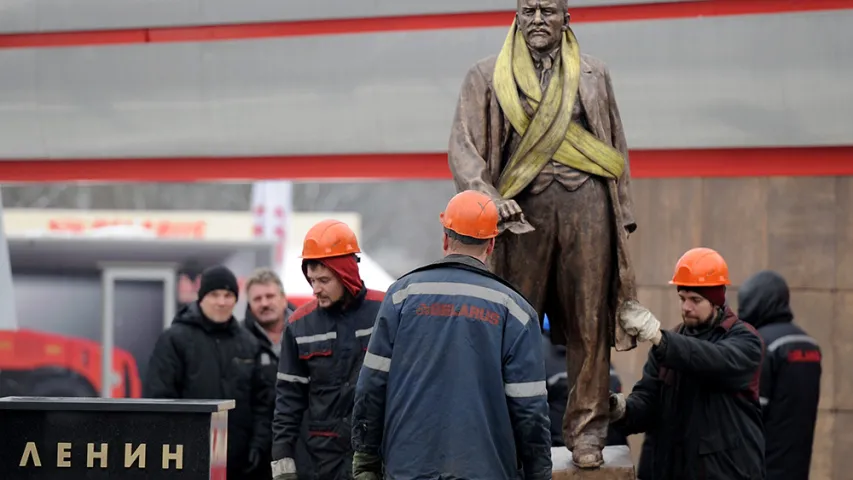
(284, 469)
(617, 406)
(638, 321)
(366, 466)
(254, 461)
(367, 476)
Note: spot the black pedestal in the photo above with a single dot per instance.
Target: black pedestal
(124, 439)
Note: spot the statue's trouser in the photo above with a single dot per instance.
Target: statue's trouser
(565, 269)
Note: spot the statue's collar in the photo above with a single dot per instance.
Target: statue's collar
(544, 61)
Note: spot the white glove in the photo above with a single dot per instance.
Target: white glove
(617, 406)
(284, 469)
(638, 321)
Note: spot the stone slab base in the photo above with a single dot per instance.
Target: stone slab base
(617, 465)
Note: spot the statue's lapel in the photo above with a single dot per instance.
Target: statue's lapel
(588, 92)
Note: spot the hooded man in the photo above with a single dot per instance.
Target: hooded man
(699, 390)
(205, 354)
(322, 350)
(790, 376)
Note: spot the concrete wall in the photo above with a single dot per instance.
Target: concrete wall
(801, 227)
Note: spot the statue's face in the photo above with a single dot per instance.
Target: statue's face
(541, 22)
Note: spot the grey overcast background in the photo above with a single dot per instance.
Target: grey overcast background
(400, 228)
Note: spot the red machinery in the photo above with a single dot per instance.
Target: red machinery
(41, 364)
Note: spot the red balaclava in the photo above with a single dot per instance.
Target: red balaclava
(716, 294)
(346, 268)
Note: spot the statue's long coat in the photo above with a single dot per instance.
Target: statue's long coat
(477, 154)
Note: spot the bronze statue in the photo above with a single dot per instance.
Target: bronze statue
(537, 128)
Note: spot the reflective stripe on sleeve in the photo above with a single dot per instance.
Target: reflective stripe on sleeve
(557, 377)
(291, 378)
(371, 360)
(316, 338)
(364, 333)
(463, 289)
(283, 466)
(527, 389)
(795, 338)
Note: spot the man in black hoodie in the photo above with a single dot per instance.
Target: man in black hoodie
(205, 354)
(790, 376)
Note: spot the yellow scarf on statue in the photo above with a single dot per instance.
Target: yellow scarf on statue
(550, 134)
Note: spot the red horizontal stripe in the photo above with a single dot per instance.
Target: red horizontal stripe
(689, 9)
(324, 353)
(736, 162)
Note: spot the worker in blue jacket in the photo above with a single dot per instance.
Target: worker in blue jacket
(453, 382)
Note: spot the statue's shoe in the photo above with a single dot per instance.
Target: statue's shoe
(587, 456)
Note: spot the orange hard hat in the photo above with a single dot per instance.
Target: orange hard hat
(329, 238)
(473, 214)
(701, 267)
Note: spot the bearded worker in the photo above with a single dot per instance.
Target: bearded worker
(538, 130)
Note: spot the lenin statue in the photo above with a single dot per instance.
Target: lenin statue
(537, 128)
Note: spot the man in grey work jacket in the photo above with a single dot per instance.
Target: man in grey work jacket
(453, 382)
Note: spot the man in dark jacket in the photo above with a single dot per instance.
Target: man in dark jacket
(267, 310)
(558, 389)
(790, 377)
(647, 451)
(453, 383)
(205, 354)
(699, 390)
(322, 350)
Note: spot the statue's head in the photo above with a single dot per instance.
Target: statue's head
(542, 22)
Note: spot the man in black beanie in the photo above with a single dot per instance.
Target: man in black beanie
(205, 354)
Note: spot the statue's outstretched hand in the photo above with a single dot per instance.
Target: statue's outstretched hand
(638, 321)
(508, 209)
(512, 218)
